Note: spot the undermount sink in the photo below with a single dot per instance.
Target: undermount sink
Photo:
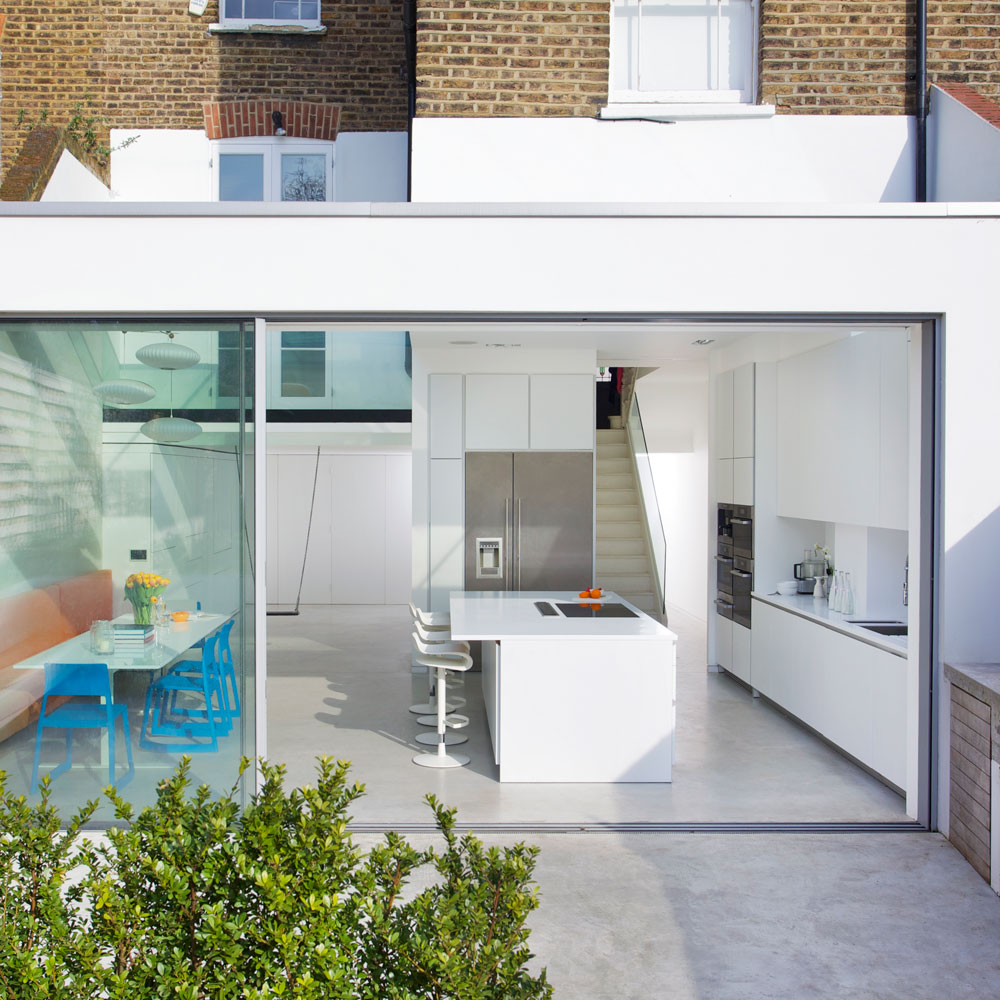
(889, 628)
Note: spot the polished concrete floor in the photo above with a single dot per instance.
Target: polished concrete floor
(339, 683)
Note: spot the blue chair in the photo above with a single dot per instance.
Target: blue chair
(224, 668)
(163, 717)
(81, 680)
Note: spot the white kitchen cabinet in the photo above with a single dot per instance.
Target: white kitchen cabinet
(497, 411)
(724, 415)
(743, 481)
(842, 432)
(724, 480)
(743, 411)
(741, 658)
(562, 412)
(894, 442)
(852, 693)
(446, 407)
(447, 530)
(724, 642)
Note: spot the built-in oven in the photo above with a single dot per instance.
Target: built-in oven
(734, 562)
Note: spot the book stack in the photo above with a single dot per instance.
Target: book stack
(130, 638)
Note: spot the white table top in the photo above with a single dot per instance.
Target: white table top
(172, 641)
(508, 614)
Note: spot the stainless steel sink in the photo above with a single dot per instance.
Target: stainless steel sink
(891, 628)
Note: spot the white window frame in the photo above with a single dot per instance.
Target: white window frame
(746, 96)
(272, 148)
(246, 23)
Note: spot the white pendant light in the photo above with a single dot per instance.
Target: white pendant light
(168, 356)
(124, 391)
(170, 430)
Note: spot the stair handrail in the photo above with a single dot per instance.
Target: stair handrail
(648, 500)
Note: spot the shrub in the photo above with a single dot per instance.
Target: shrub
(192, 899)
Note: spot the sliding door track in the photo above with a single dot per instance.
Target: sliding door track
(892, 826)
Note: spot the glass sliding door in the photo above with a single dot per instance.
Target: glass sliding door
(125, 475)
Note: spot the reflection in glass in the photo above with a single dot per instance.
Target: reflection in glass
(85, 502)
(303, 177)
(241, 177)
(272, 10)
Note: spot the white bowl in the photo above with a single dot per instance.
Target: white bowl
(788, 587)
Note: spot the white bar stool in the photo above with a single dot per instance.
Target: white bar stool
(428, 655)
(442, 641)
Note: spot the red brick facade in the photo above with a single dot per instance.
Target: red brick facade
(151, 64)
(300, 119)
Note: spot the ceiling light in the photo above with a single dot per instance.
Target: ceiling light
(502, 345)
(462, 343)
(170, 430)
(168, 356)
(702, 341)
(124, 391)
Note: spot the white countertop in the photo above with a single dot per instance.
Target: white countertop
(507, 614)
(807, 606)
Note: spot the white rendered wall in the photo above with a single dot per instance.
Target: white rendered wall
(786, 158)
(673, 402)
(175, 165)
(963, 152)
(881, 260)
(72, 181)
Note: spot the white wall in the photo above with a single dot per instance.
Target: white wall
(786, 158)
(175, 165)
(72, 181)
(963, 152)
(674, 405)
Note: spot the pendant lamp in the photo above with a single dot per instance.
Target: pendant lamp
(170, 430)
(124, 391)
(168, 356)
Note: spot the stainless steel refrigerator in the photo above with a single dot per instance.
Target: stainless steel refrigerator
(529, 520)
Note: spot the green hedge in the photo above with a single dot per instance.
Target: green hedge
(193, 899)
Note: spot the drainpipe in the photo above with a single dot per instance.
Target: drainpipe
(921, 77)
(410, 39)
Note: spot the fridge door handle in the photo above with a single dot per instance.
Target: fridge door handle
(518, 543)
(506, 540)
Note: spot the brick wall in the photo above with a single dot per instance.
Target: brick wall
(512, 57)
(150, 64)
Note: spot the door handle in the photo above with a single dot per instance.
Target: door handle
(723, 604)
(739, 572)
(723, 558)
(518, 543)
(506, 539)
(740, 520)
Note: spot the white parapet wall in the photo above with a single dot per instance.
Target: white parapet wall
(963, 152)
(783, 158)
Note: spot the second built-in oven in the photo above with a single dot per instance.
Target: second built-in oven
(734, 563)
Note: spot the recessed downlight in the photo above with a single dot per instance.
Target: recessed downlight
(702, 341)
(462, 343)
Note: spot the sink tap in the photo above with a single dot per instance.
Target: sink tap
(906, 583)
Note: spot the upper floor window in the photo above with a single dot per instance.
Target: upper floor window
(274, 170)
(682, 51)
(235, 13)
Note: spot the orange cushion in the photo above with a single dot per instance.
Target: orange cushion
(32, 617)
(84, 599)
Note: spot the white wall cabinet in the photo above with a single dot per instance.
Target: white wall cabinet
(743, 411)
(842, 437)
(497, 411)
(446, 407)
(724, 415)
(562, 412)
(852, 693)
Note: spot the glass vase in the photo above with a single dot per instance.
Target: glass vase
(142, 614)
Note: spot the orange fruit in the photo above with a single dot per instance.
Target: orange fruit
(584, 593)
(596, 592)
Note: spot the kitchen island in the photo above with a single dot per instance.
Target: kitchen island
(572, 692)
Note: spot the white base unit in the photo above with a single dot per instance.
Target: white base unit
(847, 690)
(741, 653)
(724, 642)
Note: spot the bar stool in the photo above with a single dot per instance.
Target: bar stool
(431, 620)
(441, 662)
(440, 636)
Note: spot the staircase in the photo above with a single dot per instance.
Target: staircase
(622, 551)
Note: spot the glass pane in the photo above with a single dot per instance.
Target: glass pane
(677, 45)
(303, 177)
(370, 370)
(303, 373)
(93, 490)
(304, 338)
(736, 29)
(625, 45)
(241, 177)
(273, 10)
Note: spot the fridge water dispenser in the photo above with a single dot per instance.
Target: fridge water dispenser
(489, 558)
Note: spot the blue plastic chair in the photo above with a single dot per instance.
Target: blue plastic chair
(162, 716)
(224, 667)
(81, 680)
